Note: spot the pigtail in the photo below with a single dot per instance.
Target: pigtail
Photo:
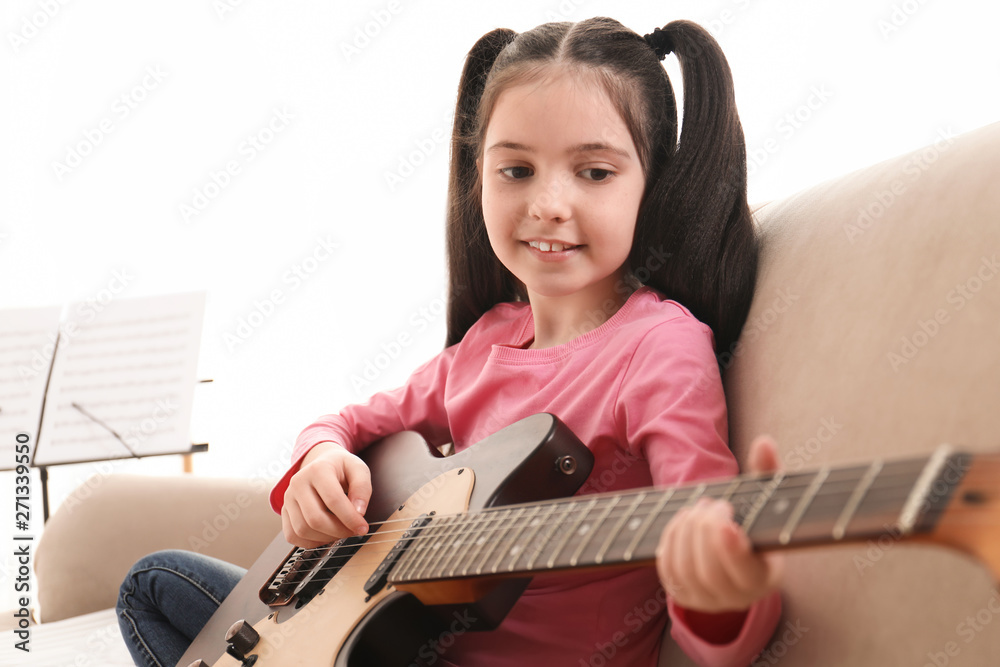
(475, 275)
(697, 197)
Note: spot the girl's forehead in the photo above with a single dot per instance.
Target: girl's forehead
(553, 100)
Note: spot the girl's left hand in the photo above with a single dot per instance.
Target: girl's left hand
(705, 560)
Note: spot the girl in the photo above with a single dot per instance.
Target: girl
(577, 228)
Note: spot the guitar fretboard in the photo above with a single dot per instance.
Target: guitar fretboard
(784, 509)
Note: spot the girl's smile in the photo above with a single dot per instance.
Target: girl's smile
(554, 251)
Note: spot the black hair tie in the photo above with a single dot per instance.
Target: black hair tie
(660, 42)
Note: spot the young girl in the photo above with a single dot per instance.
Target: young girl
(577, 228)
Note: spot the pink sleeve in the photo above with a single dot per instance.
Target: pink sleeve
(672, 411)
(416, 406)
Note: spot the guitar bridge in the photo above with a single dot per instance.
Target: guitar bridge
(306, 571)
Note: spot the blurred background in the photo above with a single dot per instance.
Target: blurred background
(290, 159)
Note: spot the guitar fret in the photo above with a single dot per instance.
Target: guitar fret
(731, 489)
(423, 568)
(569, 533)
(695, 495)
(852, 503)
(505, 522)
(548, 536)
(409, 557)
(496, 516)
(513, 540)
(908, 516)
(618, 527)
(597, 526)
(538, 526)
(639, 534)
(463, 546)
(800, 509)
(761, 501)
(406, 560)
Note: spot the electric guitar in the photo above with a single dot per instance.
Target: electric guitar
(467, 532)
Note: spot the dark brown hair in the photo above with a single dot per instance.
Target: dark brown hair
(694, 209)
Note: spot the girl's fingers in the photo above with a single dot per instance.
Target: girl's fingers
(668, 556)
(725, 560)
(684, 556)
(730, 548)
(706, 523)
(309, 517)
(322, 520)
(324, 507)
(329, 490)
(751, 573)
(744, 571)
(706, 563)
(763, 455)
(294, 528)
(359, 485)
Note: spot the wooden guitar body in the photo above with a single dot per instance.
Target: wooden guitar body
(536, 458)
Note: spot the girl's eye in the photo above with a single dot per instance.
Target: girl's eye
(596, 174)
(516, 173)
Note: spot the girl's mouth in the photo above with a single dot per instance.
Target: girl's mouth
(545, 246)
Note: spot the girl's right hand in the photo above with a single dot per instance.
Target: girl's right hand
(326, 499)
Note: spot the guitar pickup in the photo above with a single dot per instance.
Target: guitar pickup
(377, 581)
(306, 571)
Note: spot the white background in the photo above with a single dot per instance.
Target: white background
(823, 88)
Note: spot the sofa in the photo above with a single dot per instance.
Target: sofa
(873, 333)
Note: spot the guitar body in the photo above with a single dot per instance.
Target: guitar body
(537, 458)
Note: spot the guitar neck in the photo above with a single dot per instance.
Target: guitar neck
(783, 510)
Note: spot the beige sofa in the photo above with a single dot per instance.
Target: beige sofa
(874, 332)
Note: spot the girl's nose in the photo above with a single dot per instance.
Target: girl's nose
(550, 201)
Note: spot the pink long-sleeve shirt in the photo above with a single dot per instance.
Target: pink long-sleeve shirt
(643, 392)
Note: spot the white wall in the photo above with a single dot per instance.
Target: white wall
(823, 87)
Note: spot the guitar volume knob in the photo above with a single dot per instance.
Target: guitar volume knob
(241, 638)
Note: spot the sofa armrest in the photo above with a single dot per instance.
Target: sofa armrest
(109, 522)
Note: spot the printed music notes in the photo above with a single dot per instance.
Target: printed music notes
(101, 385)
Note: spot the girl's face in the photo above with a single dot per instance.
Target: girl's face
(562, 184)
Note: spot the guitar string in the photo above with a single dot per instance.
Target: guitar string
(830, 490)
(570, 507)
(367, 562)
(572, 504)
(790, 483)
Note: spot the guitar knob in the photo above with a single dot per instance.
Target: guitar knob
(241, 638)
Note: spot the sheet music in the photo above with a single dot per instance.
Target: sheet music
(130, 368)
(27, 340)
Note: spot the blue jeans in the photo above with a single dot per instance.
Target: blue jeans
(166, 599)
